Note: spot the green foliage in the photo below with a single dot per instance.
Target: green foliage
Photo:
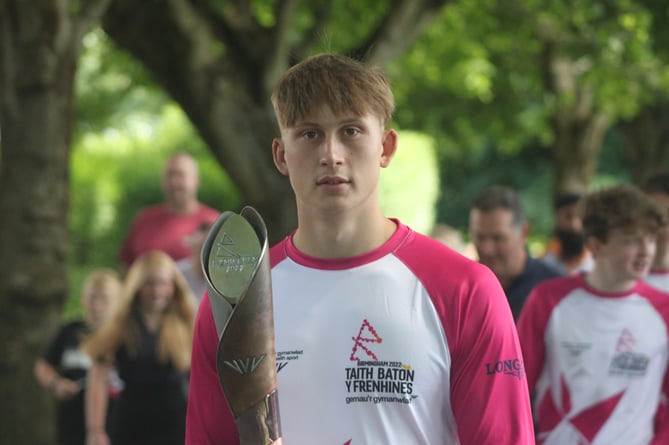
(110, 85)
(409, 187)
(528, 172)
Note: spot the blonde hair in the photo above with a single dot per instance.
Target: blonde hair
(342, 83)
(102, 278)
(122, 328)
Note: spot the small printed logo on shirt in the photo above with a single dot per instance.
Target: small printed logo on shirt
(366, 335)
(373, 379)
(285, 357)
(625, 360)
(575, 349)
(513, 367)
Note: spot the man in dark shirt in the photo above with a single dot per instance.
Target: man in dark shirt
(499, 231)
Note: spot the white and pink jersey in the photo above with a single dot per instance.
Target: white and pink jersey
(597, 363)
(411, 343)
(659, 279)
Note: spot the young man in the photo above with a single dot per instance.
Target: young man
(383, 335)
(499, 230)
(657, 188)
(596, 345)
(566, 250)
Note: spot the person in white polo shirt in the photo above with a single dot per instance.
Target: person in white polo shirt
(596, 345)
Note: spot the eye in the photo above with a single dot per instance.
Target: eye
(310, 134)
(351, 131)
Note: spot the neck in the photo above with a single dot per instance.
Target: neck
(333, 238)
(518, 269)
(184, 208)
(152, 320)
(604, 282)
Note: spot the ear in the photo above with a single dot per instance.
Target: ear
(279, 156)
(525, 230)
(594, 245)
(389, 145)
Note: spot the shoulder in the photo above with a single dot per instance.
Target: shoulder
(658, 298)
(551, 291)
(561, 283)
(208, 212)
(151, 212)
(455, 283)
(278, 252)
(427, 257)
(74, 326)
(542, 269)
(70, 331)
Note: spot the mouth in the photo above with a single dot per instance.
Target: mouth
(332, 180)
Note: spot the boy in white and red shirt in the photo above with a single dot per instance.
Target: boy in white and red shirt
(383, 335)
(596, 345)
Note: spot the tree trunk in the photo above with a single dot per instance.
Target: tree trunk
(578, 122)
(575, 151)
(646, 141)
(39, 47)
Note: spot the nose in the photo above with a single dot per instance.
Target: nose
(575, 224)
(332, 151)
(485, 247)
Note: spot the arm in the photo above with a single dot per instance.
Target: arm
(61, 387)
(209, 420)
(96, 404)
(662, 414)
(531, 329)
(489, 393)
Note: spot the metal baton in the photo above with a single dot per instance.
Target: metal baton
(235, 259)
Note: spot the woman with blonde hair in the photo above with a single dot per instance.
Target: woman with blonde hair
(148, 339)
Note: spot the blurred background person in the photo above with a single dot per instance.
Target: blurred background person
(63, 366)
(451, 237)
(595, 344)
(148, 339)
(657, 188)
(167, 226)
(499, 230)
(191, 267)
(566, 250)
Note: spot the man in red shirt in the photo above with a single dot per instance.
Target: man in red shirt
(167, 226)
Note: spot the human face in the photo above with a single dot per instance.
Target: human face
(662, 250)
(568, 218)
(157, 291)
(623, 259)
(97, 303)
(180, 182)
(334, 161)
(499, 243)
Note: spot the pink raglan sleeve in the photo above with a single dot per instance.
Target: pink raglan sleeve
(532, 323)
(489, 392)
(661, 436)
(209, 420)
(661, 424)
